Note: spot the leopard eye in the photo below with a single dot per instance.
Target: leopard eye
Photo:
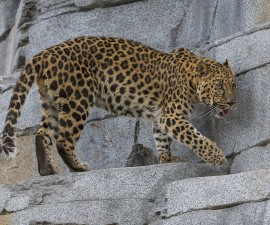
(220, 85)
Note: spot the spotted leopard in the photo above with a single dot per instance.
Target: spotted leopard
(123, 77)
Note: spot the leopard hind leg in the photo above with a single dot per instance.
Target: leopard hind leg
(72, 118)
(45, 137)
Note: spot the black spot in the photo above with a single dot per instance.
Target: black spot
(110, 71)
(60, 65)
(53, 60)
(116, 58)
(110, 99)
(118, 99)
(93, 49)
(62, 94)
(127, 103)
(113, 87)
(75, 130)
(69, 123)
(99, 56)
(124, 64)
(23, 89)
(77, 95)
(85, 93)
(28, 68)
(81, 82)
(54, 70)
(73, 80)
(72, 104)
(122, 90)
(147, 79)
(69, 90)
(116, 47)
(132, 90)
(44, 106)
(104, 65)
(168, 122)
(37, 68)
(135, 77)
(66, 108)
(80, 109)
(84, 103)
(76, 116)
(120, 77)
(53, 86)
(63, 58)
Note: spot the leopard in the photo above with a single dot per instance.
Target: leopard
(125, 78)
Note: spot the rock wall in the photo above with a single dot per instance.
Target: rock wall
(184, 193)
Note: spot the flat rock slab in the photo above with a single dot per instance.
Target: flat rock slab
(205, 193)
(252, 159)
(123, 195)
(248, 213)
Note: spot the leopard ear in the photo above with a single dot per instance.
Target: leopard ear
(227, 64)
(202, 69)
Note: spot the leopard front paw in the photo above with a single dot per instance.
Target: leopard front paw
(80, 167)
(215, 156)
(170, 159)
(175, 159)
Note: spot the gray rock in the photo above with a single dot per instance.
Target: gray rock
(204, 193)
(133, 21)
(247, 213)
(252, 159)
(233, 16)
(7, 20)
(247, 51)
(48, 223)
(195, 27)
(121, 196)
(141, 156)
(101, 3)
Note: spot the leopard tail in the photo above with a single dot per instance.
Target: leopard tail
(20, 92)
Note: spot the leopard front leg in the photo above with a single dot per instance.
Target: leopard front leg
(181, 130)
(163, 142)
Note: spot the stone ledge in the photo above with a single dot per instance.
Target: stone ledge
(211, 193)
(252, 159)
(96, 197)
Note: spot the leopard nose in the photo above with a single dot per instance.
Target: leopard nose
(231, 103)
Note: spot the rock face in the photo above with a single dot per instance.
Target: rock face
(186, 193)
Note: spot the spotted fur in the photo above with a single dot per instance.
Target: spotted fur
(123, 77)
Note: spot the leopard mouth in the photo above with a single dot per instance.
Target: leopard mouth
(221, 111)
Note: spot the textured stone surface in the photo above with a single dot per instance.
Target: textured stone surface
(246, 51)
(141, 156)
(25, 164)
(233, 16)
(142, 21)
(195, 27)
(121, 196)
(252, 159)
(7, 20)
(247, 213)
(203, 193)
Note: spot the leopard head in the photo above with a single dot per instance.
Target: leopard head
(216, 86)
